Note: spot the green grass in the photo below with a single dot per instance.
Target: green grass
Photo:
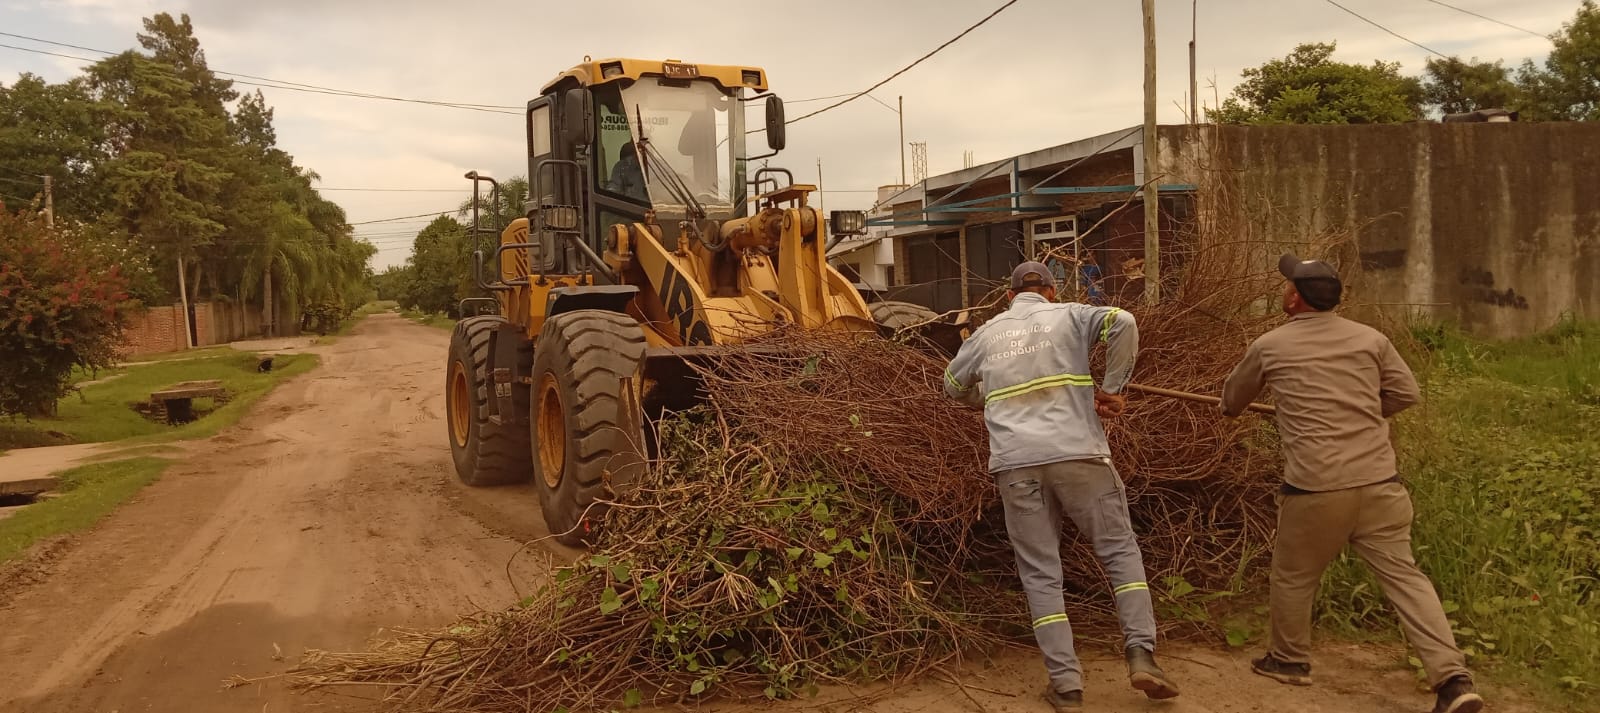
(102, 412)
(88, 493)
(429, 319)
(1504, 468)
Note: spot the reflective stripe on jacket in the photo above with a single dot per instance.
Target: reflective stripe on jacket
(1030, 364)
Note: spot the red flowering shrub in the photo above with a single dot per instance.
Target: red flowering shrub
(61, 296)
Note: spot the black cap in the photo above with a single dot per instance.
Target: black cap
(1316, 281)
(1032, 274)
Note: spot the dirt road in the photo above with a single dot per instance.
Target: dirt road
(323, 515)
(332, 511)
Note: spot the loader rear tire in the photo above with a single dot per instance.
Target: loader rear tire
(894, 316)
(485, 453)
(588, 432)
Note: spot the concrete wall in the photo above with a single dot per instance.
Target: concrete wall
(1493, 226)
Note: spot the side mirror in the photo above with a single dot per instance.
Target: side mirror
(577, 117)
(776, 138)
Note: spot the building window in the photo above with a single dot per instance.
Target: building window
(888, 276)
(850, 271)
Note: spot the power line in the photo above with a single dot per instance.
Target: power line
(1490, 19)
(20, 182)
(1363, 18)
(274, 83)
(396, 190)
(908, 67)
(405, 217)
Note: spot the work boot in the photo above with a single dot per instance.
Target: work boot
(1146, 676)
(1294, 674)
(1063, 702)
(1457, 696)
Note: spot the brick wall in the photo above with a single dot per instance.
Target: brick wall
(153, 330)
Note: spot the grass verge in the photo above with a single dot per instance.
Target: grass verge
(88, 493)
(1504, 469)
(103, 411)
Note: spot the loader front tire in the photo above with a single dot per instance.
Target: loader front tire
(588, 433)
(485, 453)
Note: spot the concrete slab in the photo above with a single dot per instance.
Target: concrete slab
(27, 486)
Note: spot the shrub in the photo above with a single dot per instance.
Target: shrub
(61, 297)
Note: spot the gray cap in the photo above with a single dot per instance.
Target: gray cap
(1316, 281)
(1032, 274)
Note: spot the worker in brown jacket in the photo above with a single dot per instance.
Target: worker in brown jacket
(1336, 383)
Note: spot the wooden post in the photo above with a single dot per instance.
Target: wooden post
(902, 112)
(1194, 91)
(49, 202)
(183, 303)
(1152, 148)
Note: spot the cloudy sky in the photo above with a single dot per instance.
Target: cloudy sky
(1041, 73)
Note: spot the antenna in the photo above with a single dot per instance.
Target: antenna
(919, 161)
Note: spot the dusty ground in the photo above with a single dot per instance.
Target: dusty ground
(332, 511)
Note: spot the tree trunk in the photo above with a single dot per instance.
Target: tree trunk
(267, 304)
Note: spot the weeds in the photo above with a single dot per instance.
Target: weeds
(1505, 472)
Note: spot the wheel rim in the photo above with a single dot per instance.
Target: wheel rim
(460, 405)
(551, 430)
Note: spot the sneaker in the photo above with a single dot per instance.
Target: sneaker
(1062, 702)
(1457, 696)
(1294, 674)
(1146, 676)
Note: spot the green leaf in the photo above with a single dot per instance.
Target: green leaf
(821, 560)
(620, 572)
(717, 536)
(609, 601)
(648, 588)
(830, 534)
(770, 692)
(600, 561)
(632, 698)
(1237, 638)
(795, 552)
(698, 687)
(752, 558)
(820, 512)
(855, 420)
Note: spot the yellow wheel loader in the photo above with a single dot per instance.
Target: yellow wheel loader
(647, 243)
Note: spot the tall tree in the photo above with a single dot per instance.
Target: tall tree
(1453, 86)
(1567, 88)
(162, 177)
(51, 130)
(1308, 87)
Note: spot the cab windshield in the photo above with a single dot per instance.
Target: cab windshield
(697, 131)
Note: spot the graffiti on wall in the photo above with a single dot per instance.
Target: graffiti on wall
(1480, 288)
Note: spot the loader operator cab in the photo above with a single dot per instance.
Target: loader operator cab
(684, 139)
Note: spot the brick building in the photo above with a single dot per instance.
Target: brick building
(955, 237)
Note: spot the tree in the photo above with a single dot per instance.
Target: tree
(1453, 86)
(1308, 87)
(440, 267)
(61, 296)
(51, 130)
(393, 283)
(1567, 88)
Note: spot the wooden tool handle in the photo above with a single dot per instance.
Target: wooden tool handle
(1174, 394)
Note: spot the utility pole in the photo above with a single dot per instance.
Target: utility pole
(819, 188)
(49, 202)
(1194, 34)
(1152, 147)
(902, 113)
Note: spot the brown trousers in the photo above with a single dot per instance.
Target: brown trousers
(1375, 520)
